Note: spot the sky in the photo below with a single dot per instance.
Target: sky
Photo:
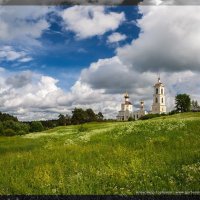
(53, 58)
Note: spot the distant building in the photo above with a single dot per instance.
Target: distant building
(140, 113)
(126, 109)
(158, 105)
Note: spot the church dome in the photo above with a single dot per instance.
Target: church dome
(159, 83)
(126, 95)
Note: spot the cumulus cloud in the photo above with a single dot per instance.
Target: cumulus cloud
(29, 92)
(8, 53)
(89, 21)
(33, 96)
(19, 24)
(19, 80)
(116, 37)
(169, 40)
(115, 77)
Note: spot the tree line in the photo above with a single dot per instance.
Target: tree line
(10, 126)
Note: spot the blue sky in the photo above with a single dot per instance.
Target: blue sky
(63, 56)
(53, 59)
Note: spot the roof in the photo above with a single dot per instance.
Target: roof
(128, 102)
(126, 95)
(159, 83)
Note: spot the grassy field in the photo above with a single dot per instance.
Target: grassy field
(157, 155)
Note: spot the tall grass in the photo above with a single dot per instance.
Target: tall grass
(158, 155)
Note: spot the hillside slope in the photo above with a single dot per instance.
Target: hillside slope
(157, 155)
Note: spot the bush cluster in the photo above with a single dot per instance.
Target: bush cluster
(150, 116)
(11, 128)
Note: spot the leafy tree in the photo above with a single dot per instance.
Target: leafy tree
(91, 116)
(6, 117)
(61, 120)
(49, 123)
(182, 103)
(100, 116)
(68, 119)
(194, 104)
(36, 126)
(79, 116)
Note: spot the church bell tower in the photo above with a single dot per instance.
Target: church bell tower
(159, 105)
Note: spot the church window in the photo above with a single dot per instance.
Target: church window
(161, 91)
(156, 100)
(156, 90)
(162, 100)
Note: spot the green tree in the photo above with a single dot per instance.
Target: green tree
(36, 126)
(6, 117)
(91, 115)
(68, 119)
(182, 103)
(194, 104)
(61, 120)
(100, 116)
(79, 116)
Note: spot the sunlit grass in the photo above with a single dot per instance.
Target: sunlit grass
(157, 155)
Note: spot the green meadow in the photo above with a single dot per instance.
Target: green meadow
(161, 155)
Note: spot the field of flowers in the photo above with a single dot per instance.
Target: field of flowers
(160, 155)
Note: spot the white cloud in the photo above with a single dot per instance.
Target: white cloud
(115, 77)
(169, 40)
(89, 21)
(116, 37)
(8, 53)
(33, 96)
(23, 24)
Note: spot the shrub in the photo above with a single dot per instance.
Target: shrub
(9, 132)
(150, 116)
(82, 128)
(16, 126)
(36, 126)
(173, 112)
(1, 128)
(21, 132)
(131, 119)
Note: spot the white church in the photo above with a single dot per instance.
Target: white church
(158, 105)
